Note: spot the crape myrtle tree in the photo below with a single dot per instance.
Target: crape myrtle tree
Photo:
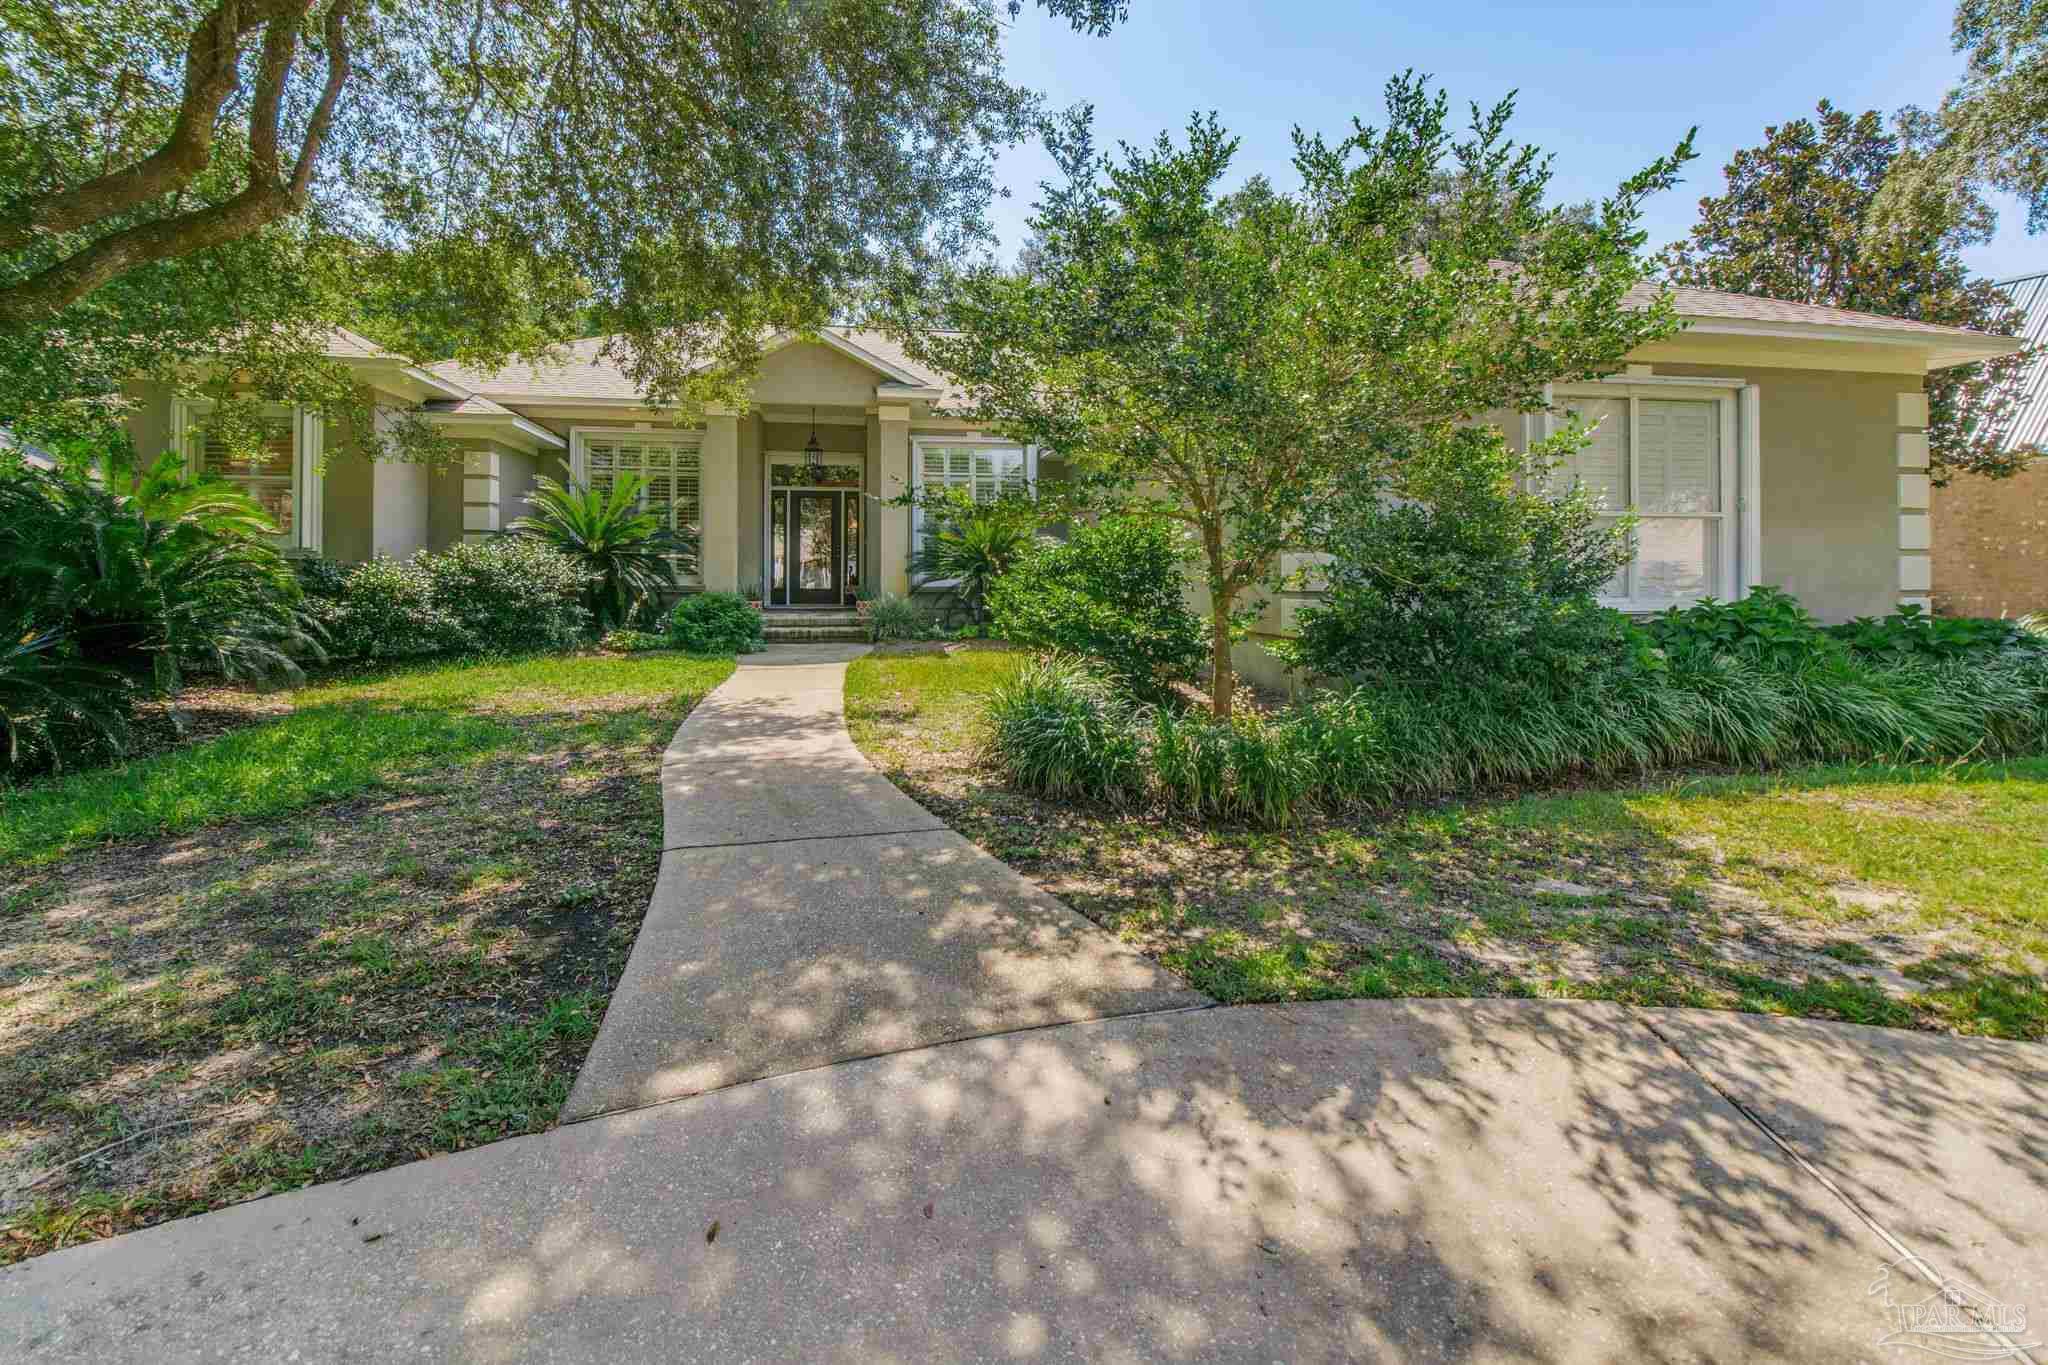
(1798, 221)
(183, 179)
(1230, 361)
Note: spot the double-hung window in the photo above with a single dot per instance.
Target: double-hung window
(1669, 455)
(281, 473)
(669, 465)
(986, 469)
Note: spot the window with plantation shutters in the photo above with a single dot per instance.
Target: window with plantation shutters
(668, 465)
(1671, 460)
(987, 470)
(280, 472)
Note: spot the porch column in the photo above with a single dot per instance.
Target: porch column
(893, 422)
(718, 492)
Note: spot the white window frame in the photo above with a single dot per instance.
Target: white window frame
(579, 468)
(1739, 530)
(917, 449)
(309, 433)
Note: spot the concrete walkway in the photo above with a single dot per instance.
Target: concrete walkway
(1399, 1180)
(1441, 1180)
(807, 912)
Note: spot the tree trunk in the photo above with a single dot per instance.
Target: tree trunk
(1222, 674)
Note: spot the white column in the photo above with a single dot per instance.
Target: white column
(718, 492)
(1916, 534)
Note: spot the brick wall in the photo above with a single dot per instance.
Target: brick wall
(1991, 544)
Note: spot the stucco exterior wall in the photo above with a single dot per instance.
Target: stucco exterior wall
(149, 419)
(1830, 481)
(1991, 544)
(1830, 515)
(516, 473)
(808, 373)
(444, 507)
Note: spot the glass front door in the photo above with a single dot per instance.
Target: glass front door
(814, 547)
(815, 530)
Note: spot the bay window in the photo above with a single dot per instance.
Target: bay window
(1669, 454)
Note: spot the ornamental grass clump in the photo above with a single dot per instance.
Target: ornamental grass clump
(1059, 730)
(1743, 685)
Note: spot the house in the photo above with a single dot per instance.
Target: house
(1768, 442)
(1991, 535)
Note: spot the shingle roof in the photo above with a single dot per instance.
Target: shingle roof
(582, 371)
(354, 346)
(1693, 302)
(476, 405)
(579, 371)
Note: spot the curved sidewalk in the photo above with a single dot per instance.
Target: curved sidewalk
(808, 912)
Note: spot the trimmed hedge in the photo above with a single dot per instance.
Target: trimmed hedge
(716, 623)
(506, 595)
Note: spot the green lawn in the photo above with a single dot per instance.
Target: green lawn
(375, 924)
(1914, 897)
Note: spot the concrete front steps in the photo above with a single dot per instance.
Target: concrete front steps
(820, 625)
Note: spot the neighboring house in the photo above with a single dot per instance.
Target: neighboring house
(1769, 442)
(1991, 535)
(1991, 544)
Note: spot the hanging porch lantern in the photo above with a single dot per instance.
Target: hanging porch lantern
(814, 454)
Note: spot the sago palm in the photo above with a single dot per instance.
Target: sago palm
(631, 557)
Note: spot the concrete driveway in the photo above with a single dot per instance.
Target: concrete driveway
(1091, 1169)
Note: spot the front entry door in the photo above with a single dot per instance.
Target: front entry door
(817, 529)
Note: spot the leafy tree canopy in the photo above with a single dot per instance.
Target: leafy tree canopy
(1230, 361)
(1793, 225)
(470, 179)
(1992, 129)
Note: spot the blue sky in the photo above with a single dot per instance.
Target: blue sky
(1607, 87)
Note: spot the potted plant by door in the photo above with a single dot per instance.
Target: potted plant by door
(864, 603)
(753, 594)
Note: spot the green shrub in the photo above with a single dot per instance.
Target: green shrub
(512, 595)
(1060, 730)
(1768, 626)
(54, 707)
(1912, 634)
(1452, 566)
(500, 596)
(716, 623)
(120, 588)
(1738, 685)
(899, 618)
(1111, 592)
(385, 609)
(969, 545)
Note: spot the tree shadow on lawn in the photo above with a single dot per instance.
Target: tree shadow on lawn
(193, 1019)
(1593, 892)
